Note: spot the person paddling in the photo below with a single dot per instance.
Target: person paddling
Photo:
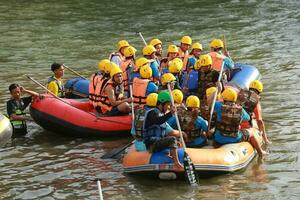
(158, 135)
(16, 108)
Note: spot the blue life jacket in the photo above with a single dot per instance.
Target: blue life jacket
(155, 131)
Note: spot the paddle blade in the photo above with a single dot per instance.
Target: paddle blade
(116, 152)
(190, 173)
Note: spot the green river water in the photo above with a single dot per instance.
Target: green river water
(45, 165)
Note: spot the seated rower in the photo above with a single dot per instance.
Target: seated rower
(158, 135)
(250, 100)
(229, 117)
(98, 79)
(112, 101)
(143, 86)
(193, 124)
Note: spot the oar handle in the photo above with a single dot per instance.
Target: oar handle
(99, 189)
(176, 117)
(215, 97)
(143, 39)
(38, 83)
(74, 71)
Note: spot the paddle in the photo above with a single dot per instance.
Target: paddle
(99, 189)
(226, 52)
(143, 39)
(76, 73)
(215, 97)
(189, 168)
(115, 152)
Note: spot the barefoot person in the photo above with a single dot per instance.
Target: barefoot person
(158, 135)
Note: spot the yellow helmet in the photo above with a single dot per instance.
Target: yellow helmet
(197, 45)
(175, 65)
(129, 51)
(177, 96)
(151, 99)
(115, 70)
(148, 50)
(105, 66)
(186, 40)
(256, 84)
(146, 71)
(172, 49)
(216, 44)
(192, 102)
(122, 43)
(141, 62)
(155, 42)
(210, 91)
(167, 78)
(203, 61)
(229, 94)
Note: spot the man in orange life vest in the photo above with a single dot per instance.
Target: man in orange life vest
(143, 86)
(127, 66)
(186, 42)
(118, 57)
(218, 57)
(112, 101)
(158, 46)
(98, 79)
(149, 53)
(164, 63)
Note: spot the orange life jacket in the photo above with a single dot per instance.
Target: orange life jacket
(124, 66)
(104, 102)
(184, 56)
(139, 91)
(217, 60)
(95, 78)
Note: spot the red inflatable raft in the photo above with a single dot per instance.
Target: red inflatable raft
(76, 118)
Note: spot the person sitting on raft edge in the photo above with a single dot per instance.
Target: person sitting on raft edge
(158, 135)
(112, 101)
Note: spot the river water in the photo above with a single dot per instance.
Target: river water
(45, 165)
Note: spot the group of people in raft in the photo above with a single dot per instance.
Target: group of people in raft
(194, 80)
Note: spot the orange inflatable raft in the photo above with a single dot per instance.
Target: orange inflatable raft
(226, 158)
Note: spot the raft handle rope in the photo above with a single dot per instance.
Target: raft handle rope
(60, 99)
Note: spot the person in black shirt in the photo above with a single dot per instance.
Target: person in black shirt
(16, 108)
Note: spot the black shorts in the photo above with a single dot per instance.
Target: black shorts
(163, 143)
(114, 112)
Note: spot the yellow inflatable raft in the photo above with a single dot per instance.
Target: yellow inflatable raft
(227, 158)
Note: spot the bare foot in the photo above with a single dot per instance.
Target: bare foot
(263, 153)
(267, 142)
(178, 167)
